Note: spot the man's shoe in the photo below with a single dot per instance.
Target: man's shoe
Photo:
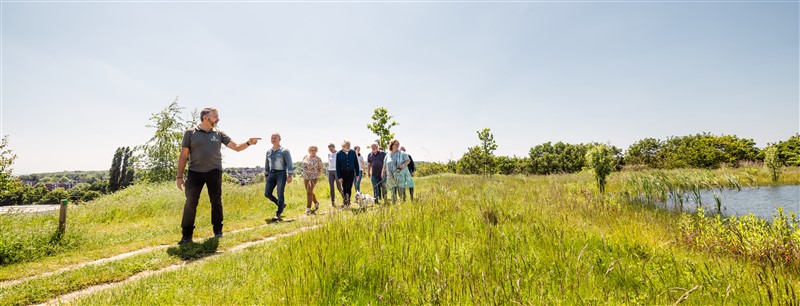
(185, 241)
(218, 235)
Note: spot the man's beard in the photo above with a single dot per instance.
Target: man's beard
(214, 124)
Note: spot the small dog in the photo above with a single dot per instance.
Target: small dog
(364, 200)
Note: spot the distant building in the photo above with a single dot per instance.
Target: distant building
(245, 175)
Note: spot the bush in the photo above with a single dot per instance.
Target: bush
(698, 151)
(55, 196)
(560, 157)
(600, 159)
(426, 169)
(89, 196)
(772, 163)
(789, 151)
(511, 165)
(748, 236)
(227, 178)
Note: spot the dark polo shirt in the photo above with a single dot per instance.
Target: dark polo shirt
(376, 160)
(205, 148)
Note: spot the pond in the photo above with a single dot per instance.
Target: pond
(761, 201)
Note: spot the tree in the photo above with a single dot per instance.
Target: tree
(789, 150)
(114, 173)
(488, 145)
(382, 127)
(510, 165)
(8, 184)
(772, 162)
(126, 178)
(601, 160)
(560, 157)
(644, 152)
(703, 150)
(160, 154)
(479, 159)
(55, 196)
(472, 161)
(7, 158)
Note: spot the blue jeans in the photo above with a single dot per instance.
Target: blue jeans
(358, 181)
(276, 179)
(378, 188)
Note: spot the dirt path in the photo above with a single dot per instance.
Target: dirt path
(73, 295)
(92, 289)
(107, 259)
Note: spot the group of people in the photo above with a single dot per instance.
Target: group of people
(388, 171)
(346, 170)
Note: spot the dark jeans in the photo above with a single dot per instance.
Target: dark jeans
(331, 179)
(348, 177)
(192, 188)
(276, 179)
(378, 188)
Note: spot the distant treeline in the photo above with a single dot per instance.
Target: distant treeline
(704, 150)
(88, 177)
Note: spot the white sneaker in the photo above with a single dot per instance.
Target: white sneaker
(308, 211)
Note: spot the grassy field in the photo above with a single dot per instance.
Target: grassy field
(467, 239)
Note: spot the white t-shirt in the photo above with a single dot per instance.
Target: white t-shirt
(332, 161)
(360, 163)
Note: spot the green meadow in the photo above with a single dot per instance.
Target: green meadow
(465, 240)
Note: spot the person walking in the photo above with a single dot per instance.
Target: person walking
(346, 170)
(411, 169)
(312, 170)
(374, 170)
(395, 170)
(360, 168)
(332, 173)
(279, 170)
(202, 147)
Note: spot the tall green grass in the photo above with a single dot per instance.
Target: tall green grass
(679, 187)
(476, 240)
(137, 217)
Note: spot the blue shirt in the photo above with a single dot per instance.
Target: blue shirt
(279, 160)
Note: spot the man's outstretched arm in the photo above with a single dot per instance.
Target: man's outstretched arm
(241, 146)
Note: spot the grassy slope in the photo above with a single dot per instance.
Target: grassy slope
(134, 218)
(471, 240)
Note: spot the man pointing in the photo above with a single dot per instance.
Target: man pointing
(202, 145)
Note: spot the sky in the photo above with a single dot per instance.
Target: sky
(81, 79)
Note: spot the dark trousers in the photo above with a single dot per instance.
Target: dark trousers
(378, 188)
(192, 188)
(348, 178)
(276, 179)
(331, 179)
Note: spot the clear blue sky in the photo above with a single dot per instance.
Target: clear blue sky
(81, 79)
